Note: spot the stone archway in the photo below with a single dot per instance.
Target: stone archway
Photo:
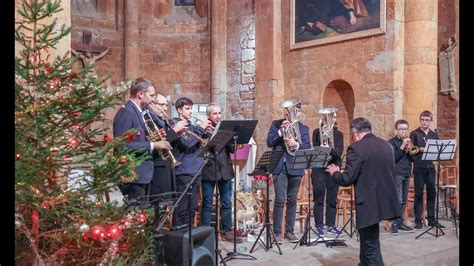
(339, 93)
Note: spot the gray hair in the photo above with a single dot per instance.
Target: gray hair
(361, 125)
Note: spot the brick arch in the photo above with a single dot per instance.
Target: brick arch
(339, 93)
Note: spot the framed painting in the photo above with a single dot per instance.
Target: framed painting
(315, 22)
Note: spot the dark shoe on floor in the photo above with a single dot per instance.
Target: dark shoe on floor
(278, 239)
(333, 230)
(436, 224)
(320, 231)
(291, 237)
(394, 229)
(418, 226)
(405, 228)
(229, 236)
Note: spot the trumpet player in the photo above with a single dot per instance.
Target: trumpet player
(403, 166)
(287, 180)
(129, 117)
(424, 171)
(218, 171)
(187, 150)
(163, 174)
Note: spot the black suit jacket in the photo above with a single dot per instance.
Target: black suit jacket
(336, 153)
(370, 168)
(219, 167)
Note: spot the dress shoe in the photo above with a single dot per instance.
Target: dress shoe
(278, 239)
(291, 237)
(229, 236)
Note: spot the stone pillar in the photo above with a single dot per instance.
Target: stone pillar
(269, 69)
(218, 53)
(130, 40)
(421, 60)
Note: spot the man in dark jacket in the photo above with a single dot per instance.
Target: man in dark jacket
(218, 171)
(370, 167)
(129, 117)
(403, 162)
(324, 186)
(286, 180)
(424, 171)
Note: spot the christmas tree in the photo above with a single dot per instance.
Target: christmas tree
(66, 163)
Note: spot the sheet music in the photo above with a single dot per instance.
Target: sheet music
(444, 148)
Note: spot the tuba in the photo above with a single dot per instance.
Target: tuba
(326, 126)
(154, 135)
(292, 130)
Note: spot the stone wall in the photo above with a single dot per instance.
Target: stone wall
(167, 44)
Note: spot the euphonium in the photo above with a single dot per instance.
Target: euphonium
(292, 130)
(410, 148)
(154, 135)
(326, 126)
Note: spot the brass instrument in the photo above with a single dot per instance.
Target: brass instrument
(188, 132)
(292, 130)
(155, 136)
(326, 126)
(410, 148)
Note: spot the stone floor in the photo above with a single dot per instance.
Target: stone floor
(402, 249)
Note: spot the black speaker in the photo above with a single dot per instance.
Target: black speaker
(203, 245)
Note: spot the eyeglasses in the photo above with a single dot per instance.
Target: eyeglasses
(425, 119)
(402, 129)
(161, 104)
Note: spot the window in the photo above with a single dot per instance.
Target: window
(184, 2)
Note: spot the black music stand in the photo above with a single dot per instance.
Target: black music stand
(350, 220)
(215, 145)
(438, 150)
(265, 167)
(317, 157)
(243, 130)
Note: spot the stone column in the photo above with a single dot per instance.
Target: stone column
(130, 40)
(269, 69)
(421, 60)
(218, 53)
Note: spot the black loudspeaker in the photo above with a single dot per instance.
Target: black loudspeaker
(203, 245)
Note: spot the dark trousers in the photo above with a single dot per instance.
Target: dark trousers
(225, 191)
(163, 179)
(181, 213)
(324, 186)
(424, 176)
(370, 253)
(402, 183)
(286, 191)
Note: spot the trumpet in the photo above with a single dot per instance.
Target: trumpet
(209, 128)
(188, 132)
(154, 135)
(410, 148)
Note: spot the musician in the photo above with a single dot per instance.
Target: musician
(424, 171)
(401, 142)
(187, 150)
(286, 180)
(128, 117)
(218, 171)
(163, 174)
(324, 186)
(370, 168)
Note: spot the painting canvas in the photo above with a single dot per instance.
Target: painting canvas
(315, 22)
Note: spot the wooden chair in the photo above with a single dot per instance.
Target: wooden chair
(343, 206)
(448, 185)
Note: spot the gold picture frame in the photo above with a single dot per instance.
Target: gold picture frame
(316, 22)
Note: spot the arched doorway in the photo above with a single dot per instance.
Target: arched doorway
(339, 93)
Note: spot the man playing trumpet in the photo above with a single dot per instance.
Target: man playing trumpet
(401, 147)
